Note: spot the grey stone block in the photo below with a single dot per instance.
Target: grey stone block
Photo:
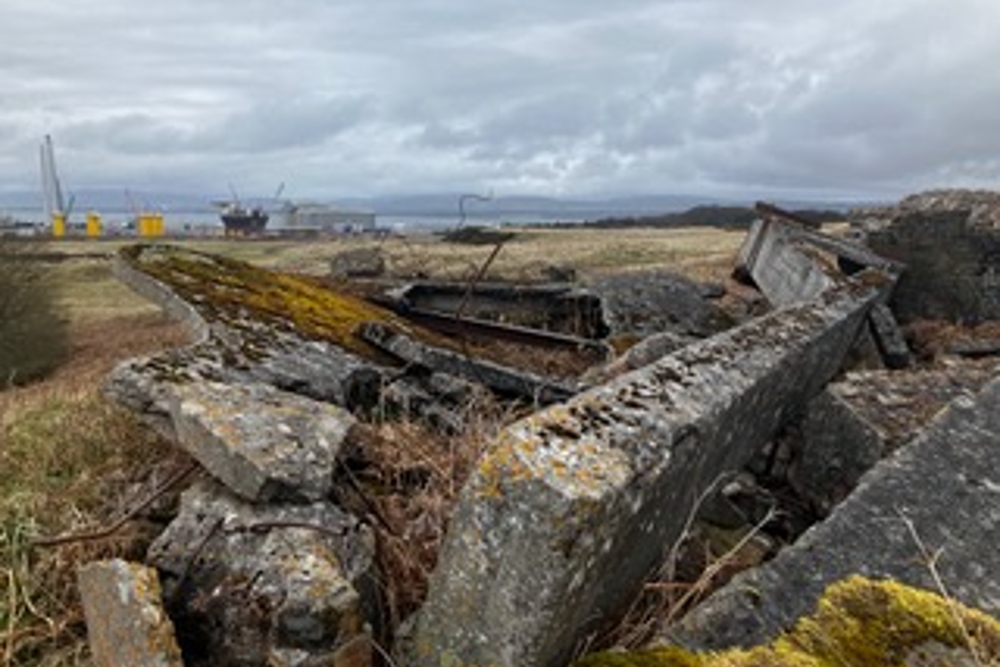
(889, 338)
(126, 623)
(266, 584)
(259, 441)
(838, 447)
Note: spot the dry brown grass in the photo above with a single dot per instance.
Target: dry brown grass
(69, 460)
(405, 479)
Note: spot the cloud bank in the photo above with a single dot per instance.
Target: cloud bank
(577, 98)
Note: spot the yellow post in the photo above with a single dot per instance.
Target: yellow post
(159, 224)
(58, 225)
(93, 224)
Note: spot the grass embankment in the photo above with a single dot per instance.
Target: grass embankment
(70, 461)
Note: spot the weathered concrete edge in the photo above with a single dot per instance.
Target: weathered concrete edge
(939, 492)
(595, 536)
(500, 378)
(126, 622)
(160, 294)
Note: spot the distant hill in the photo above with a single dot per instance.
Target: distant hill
(729, 217)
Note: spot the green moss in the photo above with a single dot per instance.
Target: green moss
(669, 656)
(858, 622)
(242, 296)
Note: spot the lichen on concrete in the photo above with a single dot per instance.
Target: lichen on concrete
(261, 442)
(857, 621)
(246, 582)
(570, 508)
(126, 622)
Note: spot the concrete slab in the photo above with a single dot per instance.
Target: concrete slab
(259, 441)
(936, 501)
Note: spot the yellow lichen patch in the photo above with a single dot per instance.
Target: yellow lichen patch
(237, 293)
(858, 623)
(501, 465)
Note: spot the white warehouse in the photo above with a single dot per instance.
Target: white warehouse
(326, 219)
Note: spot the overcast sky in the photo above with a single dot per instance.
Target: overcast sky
(551, 97)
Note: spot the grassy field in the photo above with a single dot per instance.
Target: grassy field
(71, 461)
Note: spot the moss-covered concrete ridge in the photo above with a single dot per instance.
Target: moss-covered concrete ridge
(242, 296)
(858, 622)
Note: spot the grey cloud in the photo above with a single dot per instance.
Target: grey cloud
(548, 96)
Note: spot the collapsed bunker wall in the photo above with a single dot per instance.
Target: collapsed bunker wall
(953, 266)
(571, 508)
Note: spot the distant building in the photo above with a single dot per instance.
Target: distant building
(321, 218)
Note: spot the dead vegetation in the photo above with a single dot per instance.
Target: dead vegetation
(71, 461)
(405, 481)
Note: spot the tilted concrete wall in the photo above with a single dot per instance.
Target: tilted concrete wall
(786, 260)
(571, 508)
(782, 272)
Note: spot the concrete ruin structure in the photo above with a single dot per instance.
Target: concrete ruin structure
(572, 506)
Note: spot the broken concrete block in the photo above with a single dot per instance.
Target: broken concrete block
(259, 441)
(552, 308)
(889, 338)
(926, 516)
(863, 417)
(779, 269)
(570, 509)
(266, 584)
(838, 447)
(952, 260)
(653, 302)
(504, 380)
(126, 623)
(253, 325)
(790, 263)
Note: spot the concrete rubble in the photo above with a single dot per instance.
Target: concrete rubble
(126, 623)
(261, 442)
(950, 243)
(570, 508)
(275, 584)
(647, 303)
(929, 511)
